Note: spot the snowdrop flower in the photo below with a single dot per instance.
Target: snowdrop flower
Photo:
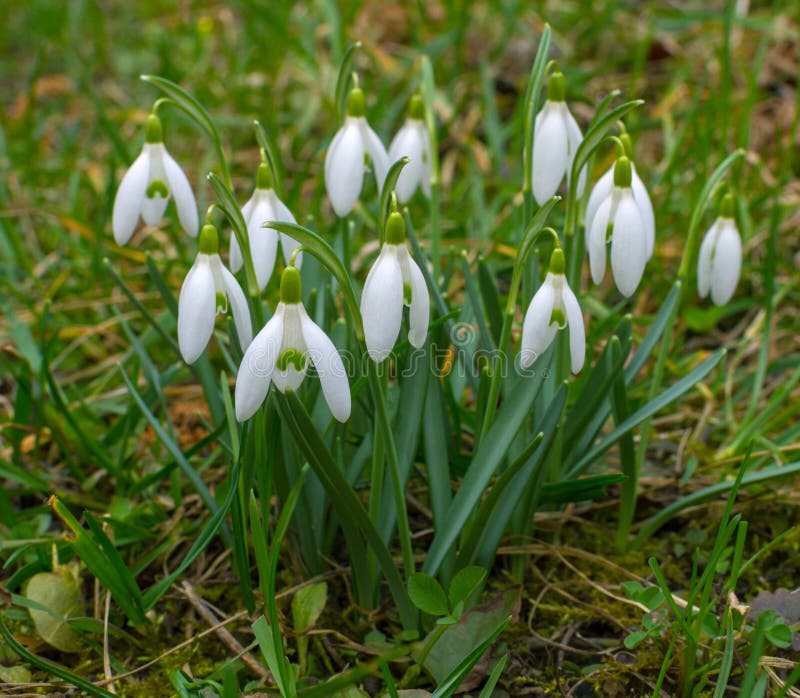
(395, 280)
(556, 137)
(414, 142)
(146, 187)
(553, 308)
(603, 188)
(280, 354)
(344, 161)
(720, 260)
(619, 217)
(264, 207)
(205, 292)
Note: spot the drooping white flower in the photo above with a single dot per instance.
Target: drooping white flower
(553, 307)
(206, 291)
(345, 159)
(602, 190)
(556, 138)
(264, 207)
(147, 186)
(280, 354)
(620, 215)
(395, 280)
(414, 142)
(720, 260)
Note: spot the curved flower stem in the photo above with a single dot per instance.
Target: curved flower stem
(385, 430)
(500, 366)
(435, 228)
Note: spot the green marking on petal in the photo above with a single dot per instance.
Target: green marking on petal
(557, 317)
(291, 357)
(222, 303)
(609, 231)
(407, 293)
(157, 187)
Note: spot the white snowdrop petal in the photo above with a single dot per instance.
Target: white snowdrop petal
(182, 195)
(550, 153)
(329, 367)
(628, 246)
(704, 260)
(577, 332)
(596, 244)
(419, 315)
(376, 150)
(241, 313)
(600, 192)
(197, 308)
(263, 241)
(726, 263)
(408, 142)
(344, 168)
(642, 199)
(128, 201)
(427, 160)
(382, 304)
(257, 367)
(537, 332)
(235, 256)
(574, 138)
(288, 244)
(153, 209)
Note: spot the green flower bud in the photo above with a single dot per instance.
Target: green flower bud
(291, 286)
(622, 173)
(416, 108)
(209, 239)
(395, 229)
(356, 105)
(557, 263)
(726, 206)
(264, 177)
(557, 87)
(153, 133)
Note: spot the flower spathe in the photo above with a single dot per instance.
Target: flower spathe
(206, 290)
(280, 354)
(556, 138)
(147, 186)
(720, 261)
(393, 281)
(620, 214)
(553, 307)
(264, 206)
(344, 161)
(414, 142)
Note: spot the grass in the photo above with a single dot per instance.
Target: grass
(113, 452)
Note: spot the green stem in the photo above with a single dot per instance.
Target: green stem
(433, 638)
(384, 423)
(498, 369)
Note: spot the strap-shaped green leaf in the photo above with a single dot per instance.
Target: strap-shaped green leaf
(347, 505)
(318, 247)
(532, 100)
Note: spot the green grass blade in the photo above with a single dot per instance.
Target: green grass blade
(668, 396)
(49, 667)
